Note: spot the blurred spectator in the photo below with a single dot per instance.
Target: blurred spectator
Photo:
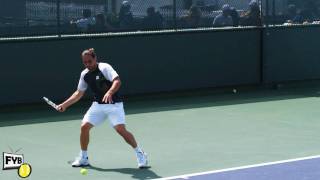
(235, 16)
(101, 24)
(187, 4)
(112, 19)
(312, 10)
(153, 20)
(223, 19)
(193, 18)
(125, 16)
(291, 12)
(84, 23)
(308, 9)
(293, 16)
(306, 15)
(252, 16)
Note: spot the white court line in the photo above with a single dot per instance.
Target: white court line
(186, 176)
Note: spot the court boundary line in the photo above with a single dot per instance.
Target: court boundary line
(186, 176)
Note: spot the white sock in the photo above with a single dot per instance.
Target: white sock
(83, 154)
(137, 149)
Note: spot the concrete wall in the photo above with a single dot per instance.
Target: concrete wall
(291, 53)
(146, 63)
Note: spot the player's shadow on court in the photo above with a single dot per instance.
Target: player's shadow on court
(145, 173)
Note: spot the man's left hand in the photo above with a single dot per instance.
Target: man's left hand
(107, 98)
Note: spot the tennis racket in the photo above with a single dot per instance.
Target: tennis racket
(52, 104)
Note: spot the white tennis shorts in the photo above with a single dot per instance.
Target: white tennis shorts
(98, 113)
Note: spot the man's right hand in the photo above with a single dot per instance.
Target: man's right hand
(61, 108)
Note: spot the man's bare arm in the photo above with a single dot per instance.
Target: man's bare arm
(75, 97)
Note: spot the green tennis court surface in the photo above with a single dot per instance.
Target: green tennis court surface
(190, 133)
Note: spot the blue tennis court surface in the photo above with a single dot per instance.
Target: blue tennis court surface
(307, 168)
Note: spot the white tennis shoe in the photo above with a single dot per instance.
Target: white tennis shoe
(80, 162)
(142, 159)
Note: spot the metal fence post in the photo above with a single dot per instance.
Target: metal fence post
(264, 48)
(273, 12)
(174, 11)
(58, 19)
(267, 14)
(106, 7)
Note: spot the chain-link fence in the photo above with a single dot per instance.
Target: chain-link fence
(46, 17)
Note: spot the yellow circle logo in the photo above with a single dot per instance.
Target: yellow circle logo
(24, 170)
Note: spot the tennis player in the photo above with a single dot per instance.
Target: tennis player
(104, 82)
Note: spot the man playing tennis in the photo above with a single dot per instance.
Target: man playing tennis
(104, 82)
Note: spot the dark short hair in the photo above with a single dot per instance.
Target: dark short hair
(89, 52)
